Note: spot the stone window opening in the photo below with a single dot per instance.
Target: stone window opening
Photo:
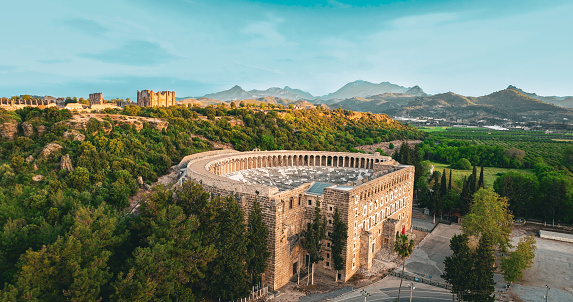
(310, 202)
(327, 264)
(327, 255)
(291, 202)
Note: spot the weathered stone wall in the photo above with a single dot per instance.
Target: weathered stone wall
(148, 98)
(96, 99)
(365, 207)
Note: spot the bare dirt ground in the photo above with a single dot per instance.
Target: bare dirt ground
(552, 266)
(166, 180)
(385, 146)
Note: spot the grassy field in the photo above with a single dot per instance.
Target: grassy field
(489, 173)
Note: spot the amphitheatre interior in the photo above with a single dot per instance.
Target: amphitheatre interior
(290, 177)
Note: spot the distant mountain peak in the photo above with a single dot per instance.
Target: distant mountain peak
(237, 92)
(416, 91)
(361, 88)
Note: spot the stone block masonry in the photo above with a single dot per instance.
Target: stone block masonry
(148, 98)
(374, 207)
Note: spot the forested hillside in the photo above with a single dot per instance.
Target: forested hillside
(66, 230)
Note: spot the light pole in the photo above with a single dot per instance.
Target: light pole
(364, 293)
(547, 292)
(412, 288)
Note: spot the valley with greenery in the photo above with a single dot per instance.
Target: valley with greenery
(70, 229)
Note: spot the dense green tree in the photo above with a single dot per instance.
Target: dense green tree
(313, 239)
(257, 249)
(227, 277)
(75, 266)
(458, 268)
(404, 247)
(462, 164)
(174, 259)
(338, 239)
(521, 191)
(489, 217)
(519, 260)
(482, 288)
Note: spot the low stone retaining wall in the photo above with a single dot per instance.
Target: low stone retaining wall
(556, 236)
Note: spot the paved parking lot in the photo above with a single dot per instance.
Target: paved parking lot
(428, 259)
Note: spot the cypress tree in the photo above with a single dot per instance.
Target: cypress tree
(416, 161)
(473, 183)
(450, 181)
(338, 238)
(313, 238)
(466, 196)
(444, 188)
(480, 182)
(258, 252)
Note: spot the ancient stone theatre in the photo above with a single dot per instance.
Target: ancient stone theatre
(372, 192)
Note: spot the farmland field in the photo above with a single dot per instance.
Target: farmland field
(536, 144)
(489, 173)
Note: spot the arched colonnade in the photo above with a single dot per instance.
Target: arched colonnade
(233, 164)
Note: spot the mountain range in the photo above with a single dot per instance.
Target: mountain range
(511, 103)
(353, 89)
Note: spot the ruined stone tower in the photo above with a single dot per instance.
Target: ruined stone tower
(148, 98)
(96, 98)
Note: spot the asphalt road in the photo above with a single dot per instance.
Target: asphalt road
(387, 291)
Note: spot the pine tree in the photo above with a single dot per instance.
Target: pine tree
(257, 235)
(227, 278)
(172, 263)
(338, 238)
(313, 237)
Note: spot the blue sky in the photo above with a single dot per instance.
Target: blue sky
(73, 48)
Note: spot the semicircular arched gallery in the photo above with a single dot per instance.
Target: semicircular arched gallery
(373, 193)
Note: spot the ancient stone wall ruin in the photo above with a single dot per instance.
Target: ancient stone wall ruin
(148, 98)
(96, 99)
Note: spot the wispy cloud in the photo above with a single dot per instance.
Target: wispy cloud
(7, 68)
(265, 31)
(54, 61)
(259, 68)
(86, 26)
(134, 53)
